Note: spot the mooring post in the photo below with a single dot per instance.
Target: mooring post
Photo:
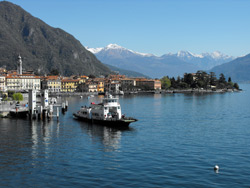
(63, 107)
(66, 105)
(32, 103)
(57, 113)
(41, 115)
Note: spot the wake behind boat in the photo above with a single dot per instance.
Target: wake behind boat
(106, 113)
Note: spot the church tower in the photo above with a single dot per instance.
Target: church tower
(19, 65)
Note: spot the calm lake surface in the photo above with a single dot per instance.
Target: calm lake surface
(177, 141)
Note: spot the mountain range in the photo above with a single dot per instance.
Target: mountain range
(237, 69)
(42, 47)
(45, 48)
(158, 66)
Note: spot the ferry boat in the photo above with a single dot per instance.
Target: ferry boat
(108, 113)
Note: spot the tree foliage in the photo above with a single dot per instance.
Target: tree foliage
(165, 82)
(200, 79)
(17, 97)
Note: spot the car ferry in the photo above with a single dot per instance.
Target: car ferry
(108, 113)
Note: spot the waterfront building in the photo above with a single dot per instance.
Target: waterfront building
(2, 83)
(148, 84)
(69, 85)
(89, 86)
(17, 82)
(52, 83)
(100, 84)
(113, 87)
(92, 86)
(128, 84)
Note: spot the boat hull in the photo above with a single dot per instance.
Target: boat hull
(19, 114)
(122, 123)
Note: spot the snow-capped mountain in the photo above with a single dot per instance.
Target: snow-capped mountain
(157, 66)
(115, 49)
(204, 61)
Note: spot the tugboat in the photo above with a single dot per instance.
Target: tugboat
(107, 113)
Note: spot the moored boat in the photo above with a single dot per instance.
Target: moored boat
(107, 113)
(20, 112)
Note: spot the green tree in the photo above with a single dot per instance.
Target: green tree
(173, 82)
(165, 82)
(236, 86)
(230, 84)
(17, 97)
(189, 79)
(213, 79)
(222, 78)
(202, 79)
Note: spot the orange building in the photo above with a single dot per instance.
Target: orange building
(148, 84)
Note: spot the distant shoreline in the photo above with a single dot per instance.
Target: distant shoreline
(151, 92)
(200, 90)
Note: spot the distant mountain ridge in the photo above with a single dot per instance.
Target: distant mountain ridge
(237, 69)
(127, 73)
(42, 47)
(204, 61)
(158, 66)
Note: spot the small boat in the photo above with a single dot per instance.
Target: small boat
(18, 111)
(90, 96)
(106, 113)
(117, 92)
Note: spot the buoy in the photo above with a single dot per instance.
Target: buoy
(216, 167)
(80, 96)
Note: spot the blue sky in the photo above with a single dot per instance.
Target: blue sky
(151, 26)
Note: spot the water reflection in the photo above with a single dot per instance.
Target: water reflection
(14, 144)
(42, 135)
(108, 136)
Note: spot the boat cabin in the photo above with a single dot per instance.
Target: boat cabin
(108, 109)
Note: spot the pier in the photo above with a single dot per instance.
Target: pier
(36, 105)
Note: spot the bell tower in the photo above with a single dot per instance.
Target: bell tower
(19, 65)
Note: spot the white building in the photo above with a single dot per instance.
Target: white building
(23, 82)
(2, 83)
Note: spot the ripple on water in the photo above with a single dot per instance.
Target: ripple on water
(176, 143)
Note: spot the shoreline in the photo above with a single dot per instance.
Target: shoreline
(150, 92)
(200, 90)
(5, 106)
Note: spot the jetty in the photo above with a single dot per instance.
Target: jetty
(38, 105)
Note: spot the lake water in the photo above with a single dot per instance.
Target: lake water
(177, 141)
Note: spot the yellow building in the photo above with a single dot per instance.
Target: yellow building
(52, 83)
(69, 85)
(100, 84)
(100, 87)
